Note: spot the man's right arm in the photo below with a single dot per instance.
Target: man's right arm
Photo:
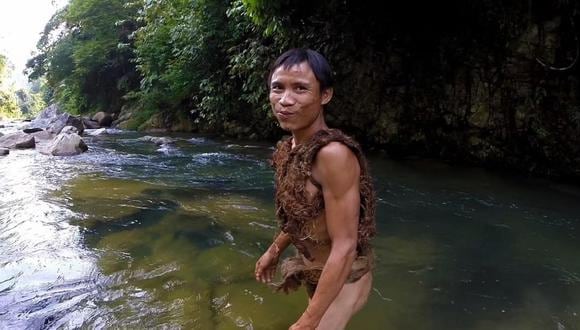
(266, 265)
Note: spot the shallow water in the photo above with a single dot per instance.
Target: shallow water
(132, 235)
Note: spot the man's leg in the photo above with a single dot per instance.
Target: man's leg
(350, 300)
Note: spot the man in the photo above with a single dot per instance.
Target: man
(324, 198)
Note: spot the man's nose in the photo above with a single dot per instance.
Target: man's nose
(287, 98)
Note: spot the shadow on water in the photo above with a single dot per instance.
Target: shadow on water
(467, 249)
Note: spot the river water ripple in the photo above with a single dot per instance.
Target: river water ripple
(135, 235)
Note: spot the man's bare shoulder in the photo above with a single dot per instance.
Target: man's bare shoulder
(335, 161)
(335, 153)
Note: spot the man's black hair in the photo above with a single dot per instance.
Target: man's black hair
(315, 60)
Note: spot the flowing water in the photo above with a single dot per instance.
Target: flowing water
(133, 235)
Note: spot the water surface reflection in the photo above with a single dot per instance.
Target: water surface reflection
(133, 235)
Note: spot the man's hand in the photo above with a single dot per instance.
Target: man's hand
(304, 323)
(266, 267)
(299, 326)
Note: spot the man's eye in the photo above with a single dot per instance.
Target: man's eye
(275, 88)
(301, 88)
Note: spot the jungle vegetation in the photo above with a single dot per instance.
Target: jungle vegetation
(486, 81)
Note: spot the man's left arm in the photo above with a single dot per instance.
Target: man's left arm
(338, 171)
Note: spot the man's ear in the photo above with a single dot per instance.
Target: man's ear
(327, 95)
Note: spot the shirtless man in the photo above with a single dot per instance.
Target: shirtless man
(324, 198)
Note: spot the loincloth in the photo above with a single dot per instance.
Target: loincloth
(296, 273)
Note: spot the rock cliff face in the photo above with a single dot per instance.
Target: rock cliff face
(487, 82)
(502, 90)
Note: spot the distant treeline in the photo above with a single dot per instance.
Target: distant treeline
(486, 81)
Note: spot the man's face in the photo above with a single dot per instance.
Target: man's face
(296, 98)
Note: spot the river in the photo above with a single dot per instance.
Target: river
(131, 235)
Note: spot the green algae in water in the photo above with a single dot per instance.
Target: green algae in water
(107, 199)
(173, 255)
(248, 303)
(223, 264)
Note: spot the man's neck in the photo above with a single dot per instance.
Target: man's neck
(301, 136)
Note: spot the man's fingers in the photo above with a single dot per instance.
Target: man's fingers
(264, 274)
(259, 272)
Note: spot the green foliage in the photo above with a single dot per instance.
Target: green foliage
(80, 57)
(8, 105)
(3, 64)
(29, 102)
(412, 76)
(180, 56)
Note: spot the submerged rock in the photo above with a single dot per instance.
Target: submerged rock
(109, 199)
(159, 140)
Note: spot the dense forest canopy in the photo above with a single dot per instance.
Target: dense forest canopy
(487, 81)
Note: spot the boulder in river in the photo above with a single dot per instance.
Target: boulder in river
(53, 120)
(70, 129)
(90, 123)
(17, 140)
(42, 135)
(66, 143)
(4, 151)
(103, 118)
(64, 120)
(44, 118)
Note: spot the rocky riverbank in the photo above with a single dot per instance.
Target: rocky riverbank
(52, 132)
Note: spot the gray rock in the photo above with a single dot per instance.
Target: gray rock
(103, 118)
(157, 140)
(90, 123)
(122, 117)
(54, 120)
(4, 151)
(44, 118)
(69, 129)
(17, 140)
(64, 120)
(42, 135)
(65, 144)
